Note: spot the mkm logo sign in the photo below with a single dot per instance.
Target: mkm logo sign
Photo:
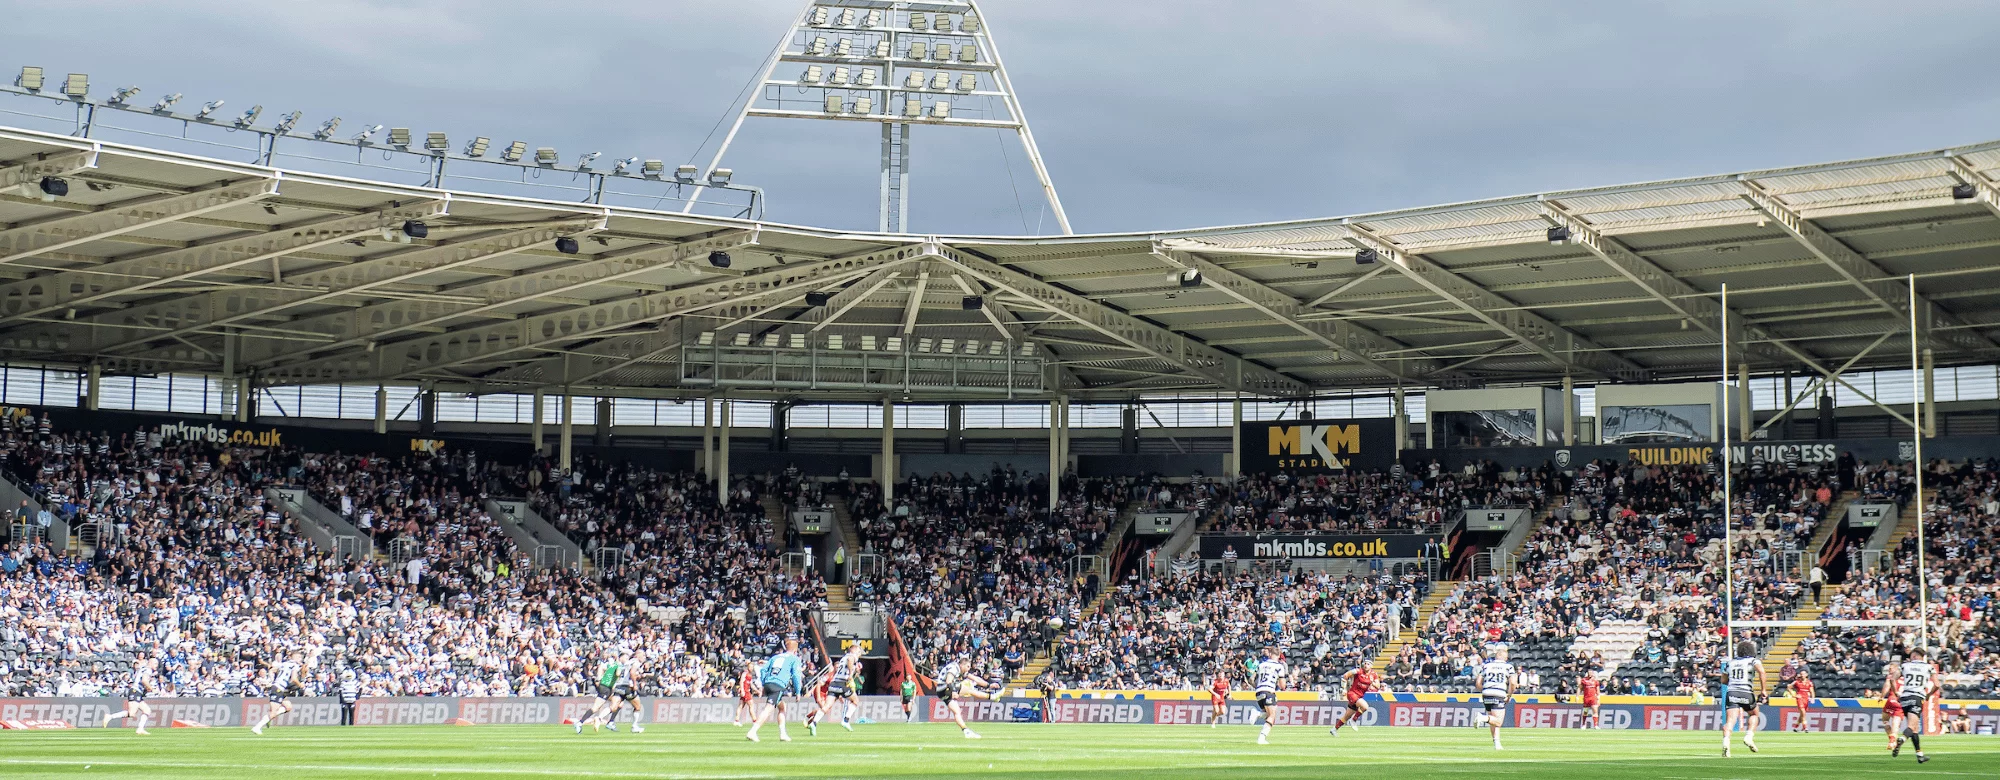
(1318, 446)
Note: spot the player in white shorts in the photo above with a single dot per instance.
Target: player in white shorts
(1744, 694)
(1496, 688)
(1918, 681)
(1270, 672)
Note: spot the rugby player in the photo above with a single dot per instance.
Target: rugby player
(1218, 697)
(1917, 681)
(1360, 681)
(1270, 673)
(779, 677)
(1743, 695)
(1496, 689)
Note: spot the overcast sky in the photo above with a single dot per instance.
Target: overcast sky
(1151, 115)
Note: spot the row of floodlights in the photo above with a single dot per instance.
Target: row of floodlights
(913, 108)
(77, 87)
(939, 81)
(927, 346)
(823, 16)
(920, 51)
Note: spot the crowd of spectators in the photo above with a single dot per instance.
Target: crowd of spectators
(1630, 543)
(1961, 531)
(1184, 630)
(1376, 500)
(195, 585)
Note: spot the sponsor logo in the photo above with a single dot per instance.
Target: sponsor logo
(431, 446)
(1562, 459)
(512, 711)
(403, 712)
(1832, 720)
(1408, 714)
(1087, 711)
(1784, 453)
(217, 435)
(1684, 718)
(1670, 456)
(1558, 716)
(1309, 548)
(1313, 446)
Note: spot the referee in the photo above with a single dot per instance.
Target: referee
(350, 692)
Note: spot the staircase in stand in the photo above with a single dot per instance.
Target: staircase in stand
(1788, 640)
(1828, 525)
(1039, 660)
(1440, 591)
(1906, 526)
(837, 599)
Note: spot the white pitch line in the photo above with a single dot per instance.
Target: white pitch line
(424, 770)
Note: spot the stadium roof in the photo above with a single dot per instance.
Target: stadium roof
(160, 262)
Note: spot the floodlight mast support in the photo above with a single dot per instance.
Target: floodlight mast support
(833, 44)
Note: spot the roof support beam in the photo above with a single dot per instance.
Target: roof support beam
(1546, 338)
(916, 304)
(1347, 340)
(40, 295)
(1344, 287)
(32, 171)
(63, 232)
(485, 343)
(329, 284)
(1887, 291)
(1984, 192)
(1222, 368)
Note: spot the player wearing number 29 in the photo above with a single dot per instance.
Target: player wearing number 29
(1918, 681)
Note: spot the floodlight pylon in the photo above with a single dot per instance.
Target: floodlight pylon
(961, 34)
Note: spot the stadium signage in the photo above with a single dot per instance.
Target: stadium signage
(1213, 546)
(1169, 708)
(238, 437)
(812, 521)
(1317, 446)
(1869, 515)
(1158, 523)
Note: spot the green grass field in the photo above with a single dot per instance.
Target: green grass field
(936, 750)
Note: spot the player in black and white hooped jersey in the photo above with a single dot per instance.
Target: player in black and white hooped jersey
(1496, 689)
(136, 707)
(1917, 681)
(1745, 691)
(281, 685)
(1270, 674)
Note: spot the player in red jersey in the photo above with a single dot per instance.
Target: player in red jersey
(1218, 698)
(1892, 710)
(746, 691)
(1593, 711)
(822, 703)
(1802, 696)
(1360, 680)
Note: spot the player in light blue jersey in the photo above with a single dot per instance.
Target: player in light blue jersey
(780, 676)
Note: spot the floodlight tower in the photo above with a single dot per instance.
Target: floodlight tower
(900, 65)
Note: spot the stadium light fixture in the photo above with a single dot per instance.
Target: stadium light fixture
(437, 143)
(287, 122)
(208, 109)
(250, 117)
(476, 148)
(416, 229)
(326, 129)
(652, 169)
(123, 96)
(76, 86)
(623, 167)
(719, 259)
(720, 177)
(924, 345)
(566, 245)
(583, 162)
(796, 341)
(847, 17)
(836, 104)
(947, 346)
(836, 341)
(30, 79)
(741, 340)
(363, 136)
(941, 110)
(1558, 235)
(864, 105)
(53, 187)
(771, 340)
(874, 18)
(868, 343)
(546, 156)
(968, 83)
(818, 17)
(972, 303)
(166, 104)
(1964, 191)
(705, 338)
(1366, 257)
(893, 344)
(399, 136)
(514, 151)
(817, 298)
(918, 21)
(1189, 278)
(686, 174)
(970, 24)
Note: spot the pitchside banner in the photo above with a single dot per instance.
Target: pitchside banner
(1670, 714)
(1318, 446)
(1315, 546)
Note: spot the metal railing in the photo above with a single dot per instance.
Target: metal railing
(864, 565)
(549, 556)
(1084, 565)
(606, 558)
(403, 549)
(348, 548)
(90, 536)
(796, 562)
